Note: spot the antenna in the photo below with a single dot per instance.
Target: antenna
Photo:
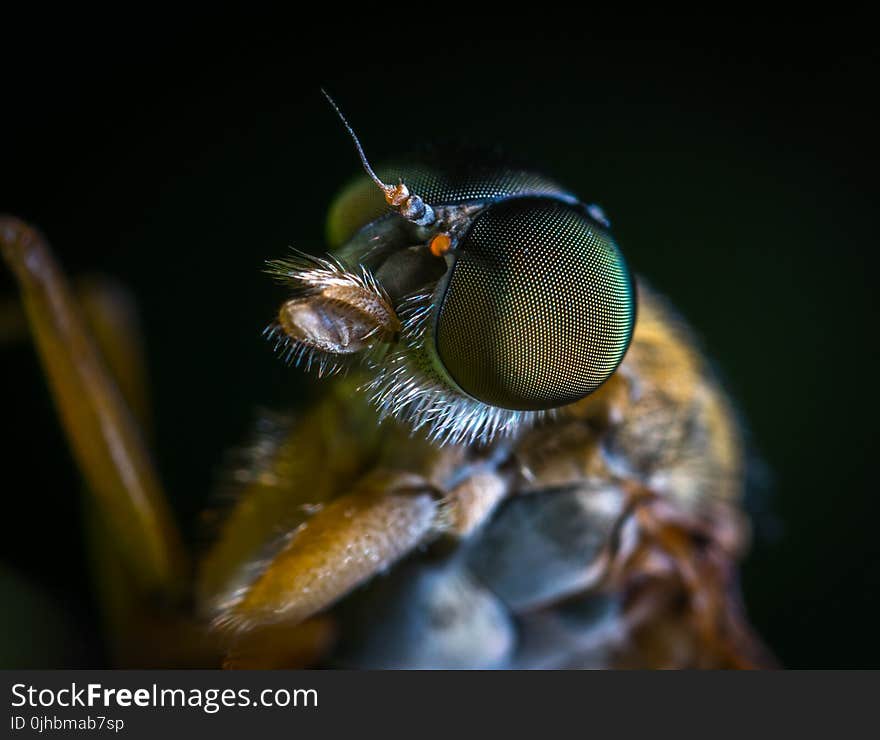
(357, 143)
(409, 205)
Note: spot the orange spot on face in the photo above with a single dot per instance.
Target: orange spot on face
(440, 245)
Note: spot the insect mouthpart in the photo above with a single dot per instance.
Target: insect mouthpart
(334, 315)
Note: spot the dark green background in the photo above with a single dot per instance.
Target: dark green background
(740, 181)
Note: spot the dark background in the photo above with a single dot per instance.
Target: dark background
(740, 180)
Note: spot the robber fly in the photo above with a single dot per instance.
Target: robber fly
(517, 459)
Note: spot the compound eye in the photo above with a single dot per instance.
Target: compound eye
(539, 308)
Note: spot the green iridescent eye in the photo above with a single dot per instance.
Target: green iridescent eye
(539, 308)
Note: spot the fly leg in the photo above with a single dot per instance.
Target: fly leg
(140, 630)
(101, 430)
(317, 514)
(354, 537)
(704, 554)
(350, 540)
(677, 574)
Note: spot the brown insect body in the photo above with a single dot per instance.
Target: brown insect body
(604, 533)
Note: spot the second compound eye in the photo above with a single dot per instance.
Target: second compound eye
(539, 309)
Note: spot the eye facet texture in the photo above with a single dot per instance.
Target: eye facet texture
(539, 309)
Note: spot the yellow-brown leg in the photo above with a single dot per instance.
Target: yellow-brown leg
(103, 435)
(139, 630)
(280, 620)
(348, 541)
